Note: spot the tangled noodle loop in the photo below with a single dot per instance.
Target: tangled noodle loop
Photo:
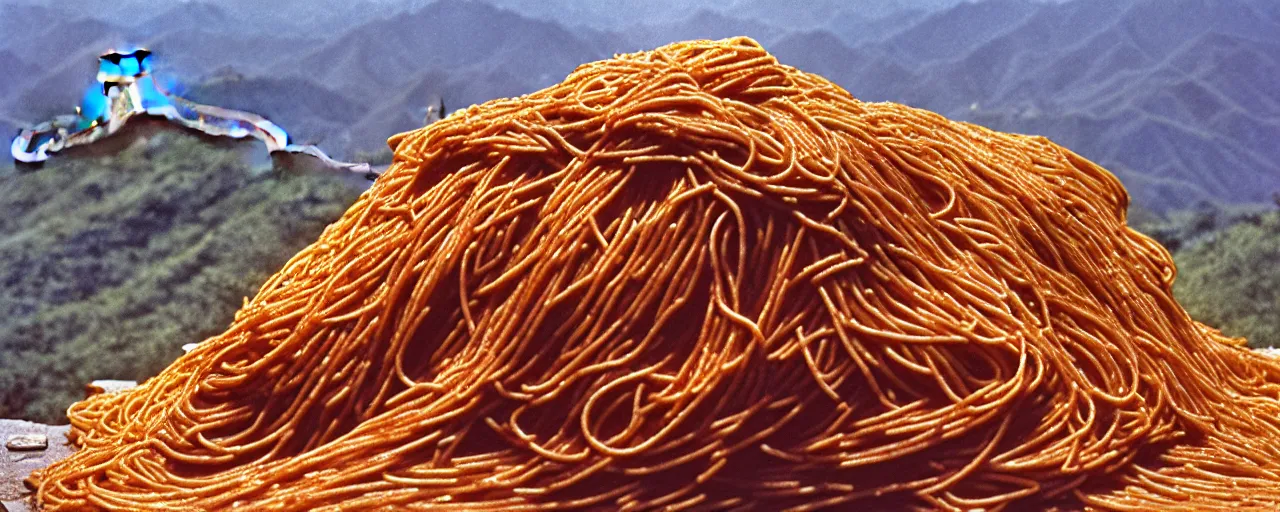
(694, 278)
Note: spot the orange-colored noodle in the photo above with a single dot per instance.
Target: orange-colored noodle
(695, 279)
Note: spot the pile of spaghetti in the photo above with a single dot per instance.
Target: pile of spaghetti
(696, 279)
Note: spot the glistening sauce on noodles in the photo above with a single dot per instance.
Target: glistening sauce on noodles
(695, 279)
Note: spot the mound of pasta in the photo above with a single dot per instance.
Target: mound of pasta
(696, 279)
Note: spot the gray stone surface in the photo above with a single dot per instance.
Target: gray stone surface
(27, 442)
(108, 386)
(15, 465)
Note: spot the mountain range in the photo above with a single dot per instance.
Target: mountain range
(1179, 98)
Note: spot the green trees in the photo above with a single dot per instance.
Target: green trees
(112, 264)
(1232, 280)
(1228, 261)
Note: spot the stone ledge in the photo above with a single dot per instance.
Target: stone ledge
(17, 464)
(21, 458)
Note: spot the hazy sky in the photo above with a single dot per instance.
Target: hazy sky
(598, 14)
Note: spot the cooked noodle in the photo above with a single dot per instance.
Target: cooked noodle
(696, 279)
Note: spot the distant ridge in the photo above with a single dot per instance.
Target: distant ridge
(1178, 97)
(1168, 94)
(456, 37)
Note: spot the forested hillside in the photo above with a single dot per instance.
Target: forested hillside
(110, 265)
